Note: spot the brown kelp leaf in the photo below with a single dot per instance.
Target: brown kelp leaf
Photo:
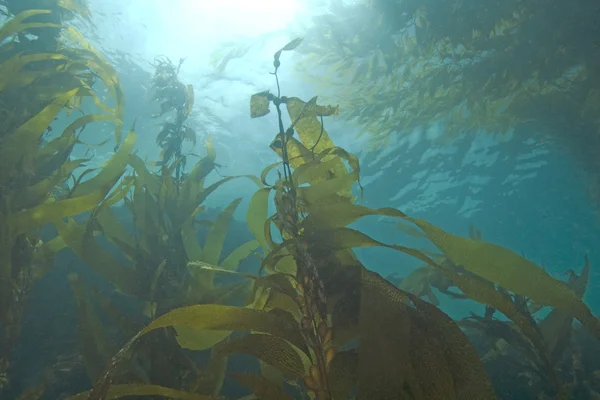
(343, 374)
(262, 387)
(470, 380)
(311, 108)
(511, 271)
(96, 347)
(19, 146)
(83, 244)
(310, 131)
(273, 350)
(259, 104)
(232, 261)
(141, 389)
(384, 328)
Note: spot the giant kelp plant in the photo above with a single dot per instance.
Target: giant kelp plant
(320, 324)
(35, 87)
(323, 326)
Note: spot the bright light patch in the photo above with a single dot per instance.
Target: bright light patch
(180, 27)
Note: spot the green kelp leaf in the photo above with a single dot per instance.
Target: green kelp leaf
(193, 339)
(273, 350)
(292, 45)
(15, 73)
(220, 317)
(17, 24)
(288, 47)
(141, 389)
(259, 104)
(556, 328)
(232, 261)
(101, 66)
(33, 195)
(147, 179)
(262, 387)
(30, 219)
(83, 244)
(19, 147)
(112, 171)
(79, 7)
(320, 167)
(213, 246)
(96, 347)
(511, 271)
(340, 215)
(326, 192)
(117, 233)
(257, 215)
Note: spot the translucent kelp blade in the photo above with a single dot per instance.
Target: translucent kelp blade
(215, 239)
(312, 135)
(220, 317)
(257, 215)
(141, 389)
(511, 271)
(259, 104)
(262, 387)
(273, 350)
(340, 215)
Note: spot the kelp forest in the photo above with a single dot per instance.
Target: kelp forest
(166, 305)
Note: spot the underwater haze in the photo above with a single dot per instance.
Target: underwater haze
(299, 199)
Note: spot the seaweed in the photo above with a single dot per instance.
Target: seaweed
(34, 88)
(316, 298)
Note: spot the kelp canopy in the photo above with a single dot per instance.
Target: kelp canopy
(316, 322)
(471, 64)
